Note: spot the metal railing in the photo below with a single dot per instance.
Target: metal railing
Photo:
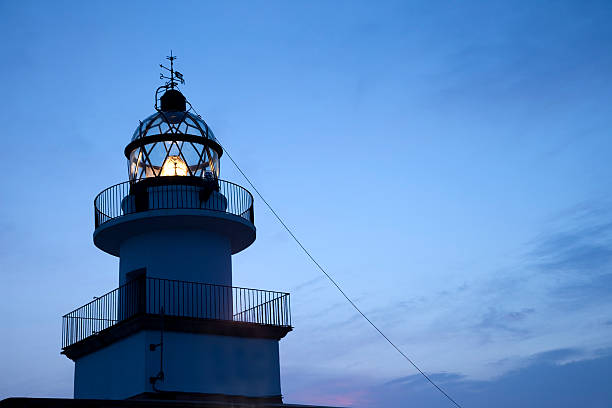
(154, 296)
(124, 198)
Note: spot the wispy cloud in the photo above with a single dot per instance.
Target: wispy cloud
(554, 295)
(496, 319)
(440, 378)
(581, 243)
(551, 379)
(307, 284)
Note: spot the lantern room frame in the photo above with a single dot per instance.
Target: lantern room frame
(173, 144)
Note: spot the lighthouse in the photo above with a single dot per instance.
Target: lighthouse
(176, 327)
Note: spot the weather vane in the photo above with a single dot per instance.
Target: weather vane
(174, 75)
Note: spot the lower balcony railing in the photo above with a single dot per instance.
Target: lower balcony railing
(153, 296)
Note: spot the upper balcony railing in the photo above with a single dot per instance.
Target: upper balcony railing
(216, 195)
(172, 298)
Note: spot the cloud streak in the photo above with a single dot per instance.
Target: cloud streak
(554, 295)
(551, 379)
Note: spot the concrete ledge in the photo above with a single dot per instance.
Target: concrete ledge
(173, 323)
(108, 236)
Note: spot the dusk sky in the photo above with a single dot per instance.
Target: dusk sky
(448, 162)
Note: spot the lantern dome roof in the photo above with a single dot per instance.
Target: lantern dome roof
(173, 122)
(173, 142)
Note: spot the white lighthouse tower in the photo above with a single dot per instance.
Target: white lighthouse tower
(176, 328)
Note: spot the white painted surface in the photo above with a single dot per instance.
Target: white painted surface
(114, 372)
(178, 253)
(197, 363)
(219, 364)
(110, 235)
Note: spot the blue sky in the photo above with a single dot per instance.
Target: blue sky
(448, 162)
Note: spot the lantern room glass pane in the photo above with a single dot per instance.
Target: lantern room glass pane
(171, 156)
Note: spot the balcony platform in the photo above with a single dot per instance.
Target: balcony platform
(134, 324)
(129, 209)
(175, 306)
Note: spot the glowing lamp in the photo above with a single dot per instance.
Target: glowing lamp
(174, 166)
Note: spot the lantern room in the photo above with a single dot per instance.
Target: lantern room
(173, 142)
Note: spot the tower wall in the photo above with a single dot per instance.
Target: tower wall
(193, 363)
(218, 364)
(114, 372)
(185, 254)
